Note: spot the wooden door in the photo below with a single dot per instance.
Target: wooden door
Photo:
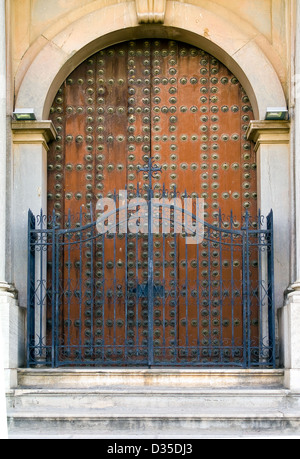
(187, 111)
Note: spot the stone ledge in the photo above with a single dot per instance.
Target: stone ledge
(105, 422)
(268, 132)
(193, 399)
(7, 291)
(29, 132)
(68, 378)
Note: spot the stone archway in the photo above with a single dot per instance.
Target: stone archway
(64, 47)
(180, 107)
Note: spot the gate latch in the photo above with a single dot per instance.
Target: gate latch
(142, 291)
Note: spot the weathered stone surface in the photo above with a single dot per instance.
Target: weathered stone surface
(72, 403)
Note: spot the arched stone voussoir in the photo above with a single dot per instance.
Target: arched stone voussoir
(236, 48)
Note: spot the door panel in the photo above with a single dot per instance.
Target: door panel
(183, 108)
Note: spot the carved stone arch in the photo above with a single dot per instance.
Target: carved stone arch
(66, 49)
(60, 50)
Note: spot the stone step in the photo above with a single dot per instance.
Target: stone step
(150, 398)
(119, 423)
(187, 378)
(127, 403)
(156, 437)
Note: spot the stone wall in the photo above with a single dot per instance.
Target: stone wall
(47, 39)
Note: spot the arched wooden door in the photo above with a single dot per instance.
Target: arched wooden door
(182, 107)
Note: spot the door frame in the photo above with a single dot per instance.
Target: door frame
(47, 63)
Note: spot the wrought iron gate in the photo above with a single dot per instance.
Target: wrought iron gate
(150, 299)
(117, 316)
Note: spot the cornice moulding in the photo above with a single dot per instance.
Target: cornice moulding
(268, 132)
(33, 132)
